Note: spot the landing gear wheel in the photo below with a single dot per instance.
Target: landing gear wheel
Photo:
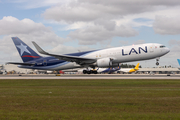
(84, 71)
(157, 61)
(89, 72)
(95, 72)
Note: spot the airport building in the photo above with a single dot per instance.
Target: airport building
(13, 69)
(158, 70)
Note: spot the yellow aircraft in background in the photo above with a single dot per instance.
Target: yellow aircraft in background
(130, 70)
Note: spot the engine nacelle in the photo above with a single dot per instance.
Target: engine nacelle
(106, 62)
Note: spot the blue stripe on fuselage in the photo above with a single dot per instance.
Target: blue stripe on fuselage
(52, 62)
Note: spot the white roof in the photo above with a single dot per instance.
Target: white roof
(158, 69)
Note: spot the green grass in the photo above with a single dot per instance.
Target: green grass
(89, 99)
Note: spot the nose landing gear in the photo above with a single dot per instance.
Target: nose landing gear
(157, 61)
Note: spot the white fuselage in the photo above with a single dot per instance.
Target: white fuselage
(126, 70)
(124, 54)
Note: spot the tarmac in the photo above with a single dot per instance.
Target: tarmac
(91, 76)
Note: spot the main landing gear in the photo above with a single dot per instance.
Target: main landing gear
(90, 71)
(157, 63)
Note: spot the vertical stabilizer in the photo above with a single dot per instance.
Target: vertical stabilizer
(178, 61)
(137, 67)
(26, 53)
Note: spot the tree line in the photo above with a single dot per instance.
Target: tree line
(128, 66)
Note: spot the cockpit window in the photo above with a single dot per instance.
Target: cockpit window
(162, 46)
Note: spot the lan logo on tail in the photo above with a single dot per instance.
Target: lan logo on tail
(23, 49)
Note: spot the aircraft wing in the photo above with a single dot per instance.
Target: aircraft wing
(78, 60)
(16, 63)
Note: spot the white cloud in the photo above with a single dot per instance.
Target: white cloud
(174, 52)
(27, 29)
(92, 35)
(95, 21)
(31, 4)
(133, 2)
(78, 25)
(71, 13)
(173, 55)
(139, 42)
(167, 25)
(124, 42)
(8, 50)
(11, 25)
(61, 49)
(148, 17)
(174, 43)
(90, 10)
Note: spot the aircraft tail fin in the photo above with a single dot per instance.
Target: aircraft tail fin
(137, 67)
(178, 61)
(26, 53)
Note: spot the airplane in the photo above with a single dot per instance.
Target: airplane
(112, 70)
(130, 70)
(108, 70)
(102, 58)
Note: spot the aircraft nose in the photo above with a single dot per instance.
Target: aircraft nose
(168, 50)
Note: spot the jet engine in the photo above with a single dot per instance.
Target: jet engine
(106, 62)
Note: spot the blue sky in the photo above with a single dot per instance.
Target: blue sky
(72, 25)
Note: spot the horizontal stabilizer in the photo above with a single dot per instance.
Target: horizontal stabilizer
(40, 50)
(27, 64)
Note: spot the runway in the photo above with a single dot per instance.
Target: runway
(92, 76)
